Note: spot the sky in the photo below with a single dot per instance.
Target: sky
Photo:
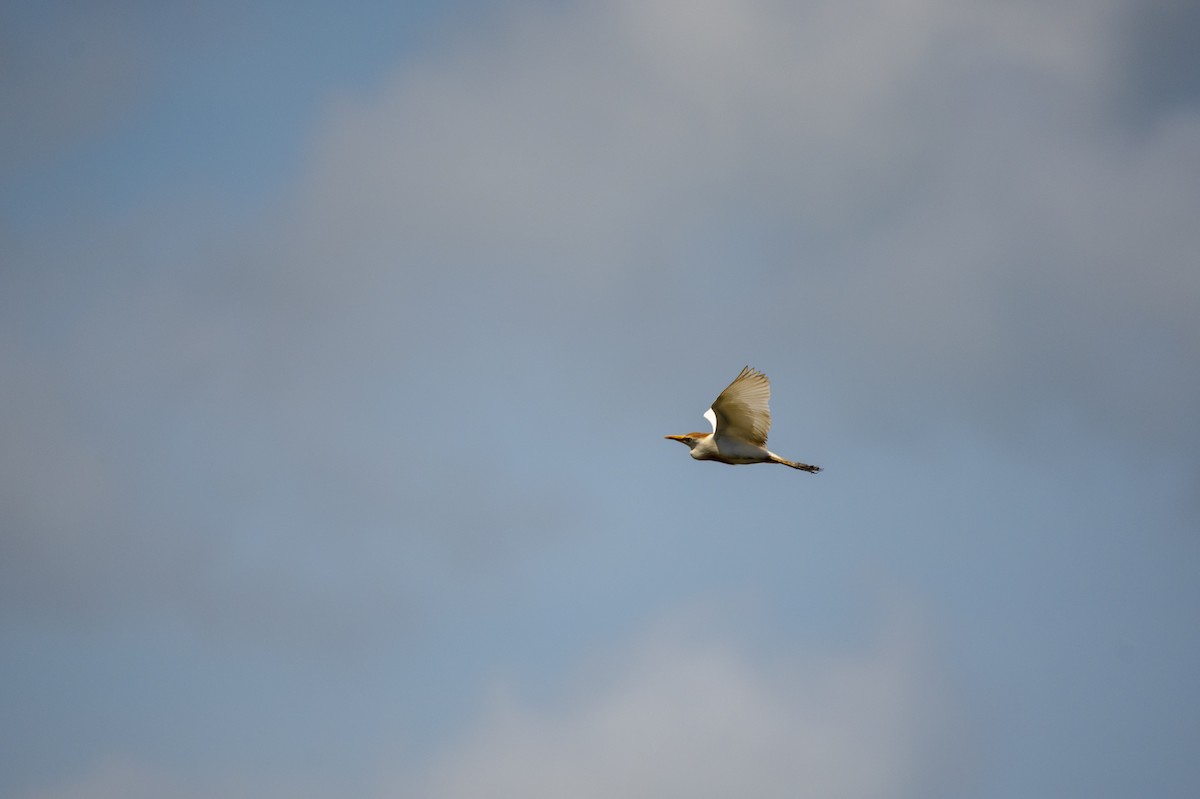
(338, 342)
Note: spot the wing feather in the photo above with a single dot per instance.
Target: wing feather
(741, 409)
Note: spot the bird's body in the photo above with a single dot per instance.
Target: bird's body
(740, 419)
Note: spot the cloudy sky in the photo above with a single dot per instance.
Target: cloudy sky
(338, 341)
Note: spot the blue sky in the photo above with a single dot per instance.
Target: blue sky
(337, 344)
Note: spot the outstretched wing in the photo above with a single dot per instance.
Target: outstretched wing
(741, 409)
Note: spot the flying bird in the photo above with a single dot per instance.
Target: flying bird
(740, 420)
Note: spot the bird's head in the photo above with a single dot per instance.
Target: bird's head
(691, 439)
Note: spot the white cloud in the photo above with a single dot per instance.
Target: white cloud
(938, 190)
(687, 718)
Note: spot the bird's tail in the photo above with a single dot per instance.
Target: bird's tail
(804, 467)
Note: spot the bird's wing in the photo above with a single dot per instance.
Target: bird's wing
(741, 409)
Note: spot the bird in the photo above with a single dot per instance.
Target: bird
(740, 420)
